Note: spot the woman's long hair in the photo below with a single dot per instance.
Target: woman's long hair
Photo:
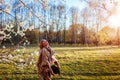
(41, 44)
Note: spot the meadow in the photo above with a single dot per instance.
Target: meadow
(77, 63)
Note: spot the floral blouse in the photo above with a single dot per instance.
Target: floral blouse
(48, 57)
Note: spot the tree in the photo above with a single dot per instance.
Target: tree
(74, 20)
(83, 36)
(106, 35)
(33, 36)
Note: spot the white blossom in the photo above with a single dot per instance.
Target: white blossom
(3, 47)
(31, 62)
(10, 56)
(11, 26)
(8, 8)
(5, 60)
(29, 15)
(18, 15)
(17, 6)
(32, 54)
(36, 52)
(20, 33)
(38, 15)
(22, 23)
(18, 50)
(20, 66)
(15, 64)
(1, 38)
(31, 27)
(2, 32)
(36, 0)
(21, 60)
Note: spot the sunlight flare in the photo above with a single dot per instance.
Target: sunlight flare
(114, 20)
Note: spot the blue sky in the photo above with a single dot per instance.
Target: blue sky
(76, 3)
(80, 4)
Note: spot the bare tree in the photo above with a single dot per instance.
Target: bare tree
(74, 20)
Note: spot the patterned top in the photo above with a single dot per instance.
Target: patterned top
(47, 55)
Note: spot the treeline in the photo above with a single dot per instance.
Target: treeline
(76, 34)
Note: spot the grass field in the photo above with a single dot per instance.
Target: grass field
(77, 63)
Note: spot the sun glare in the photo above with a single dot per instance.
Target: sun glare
(114, 20)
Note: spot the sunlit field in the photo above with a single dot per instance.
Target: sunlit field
(74, 26)
(77, 63)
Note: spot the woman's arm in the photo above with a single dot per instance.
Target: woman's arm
(57, 64)
(54, 59)
(51, 71)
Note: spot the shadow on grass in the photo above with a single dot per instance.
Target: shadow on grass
(99, 74)
(83, 74)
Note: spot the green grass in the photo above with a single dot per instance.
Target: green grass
(77, 63)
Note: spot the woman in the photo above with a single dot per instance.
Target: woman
(46, 60)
